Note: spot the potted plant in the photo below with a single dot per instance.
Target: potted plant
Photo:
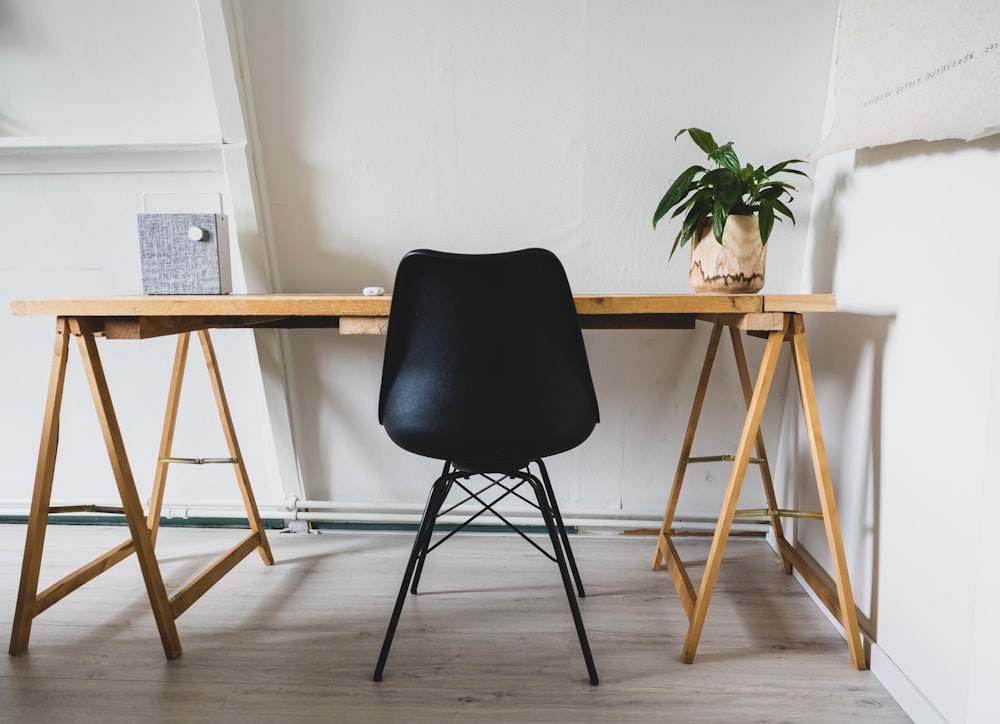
(735, 204)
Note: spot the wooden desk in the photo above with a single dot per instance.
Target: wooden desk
(775, 317)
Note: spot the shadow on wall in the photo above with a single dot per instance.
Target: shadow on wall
(877, 156)
(314, 357)
(847, 355)
(826, 222)
(847, 351)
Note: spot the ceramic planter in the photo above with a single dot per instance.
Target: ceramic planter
(734, 267)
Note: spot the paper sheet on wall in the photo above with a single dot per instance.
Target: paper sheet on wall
(915, 70)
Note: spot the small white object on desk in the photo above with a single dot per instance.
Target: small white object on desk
(373, 291)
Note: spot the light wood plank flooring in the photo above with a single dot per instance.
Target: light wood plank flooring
(489, 638)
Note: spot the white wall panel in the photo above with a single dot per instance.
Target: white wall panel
(74, 234)
(480, 126)
(901, 240)
(103, 68)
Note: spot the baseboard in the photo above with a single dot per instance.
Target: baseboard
(117, 520)
(904, 691)
(898, 684)
(273, 524)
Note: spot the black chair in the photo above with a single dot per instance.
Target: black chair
(485, 369)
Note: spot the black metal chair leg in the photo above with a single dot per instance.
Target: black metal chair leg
(433, 504)
(543, 504)
(420, 543)
(551, 496)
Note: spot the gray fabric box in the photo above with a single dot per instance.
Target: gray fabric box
(185, 254)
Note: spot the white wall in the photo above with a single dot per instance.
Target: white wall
(476, 126)
(103, 102)
(383, 127)
(907, 386)
(103, 68)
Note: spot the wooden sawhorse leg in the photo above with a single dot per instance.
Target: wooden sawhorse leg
(257, 539)
(30, 603)
(840, 602)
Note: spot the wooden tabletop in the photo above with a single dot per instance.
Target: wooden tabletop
(141, 317)
(322, 305)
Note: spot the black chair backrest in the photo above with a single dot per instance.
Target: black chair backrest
(484, 359)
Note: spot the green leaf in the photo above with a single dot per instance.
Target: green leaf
(783, 166)
(702, 197)
(774, 190)
(715, 176)
(782, 209)
(695, 217)
(750, 176)
(778, 184)
(719, 216)
(677, 191)
(677, 243)
(702, 139)
(687, 230)
(770, 191)
(765, 219)
(725, 156)
(777, 168)
(727, 186)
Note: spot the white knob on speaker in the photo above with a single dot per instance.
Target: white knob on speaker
(196, 234)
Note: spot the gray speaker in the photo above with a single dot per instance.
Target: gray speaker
(185, 254)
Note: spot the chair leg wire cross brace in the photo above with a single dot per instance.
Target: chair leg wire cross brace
(509, 483)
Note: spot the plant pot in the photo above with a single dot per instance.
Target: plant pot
(736, 266)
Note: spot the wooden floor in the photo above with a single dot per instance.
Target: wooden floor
(489, 638)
